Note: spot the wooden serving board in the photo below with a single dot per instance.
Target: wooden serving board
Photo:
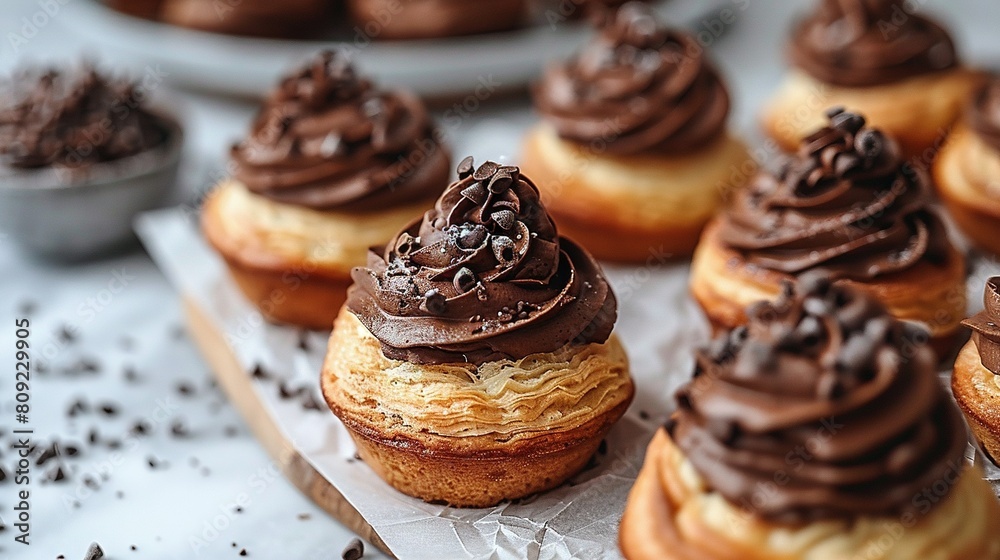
(236, 383)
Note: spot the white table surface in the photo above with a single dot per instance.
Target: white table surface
(186, 507)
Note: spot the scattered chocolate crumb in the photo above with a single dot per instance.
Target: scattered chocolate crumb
(66, 334)
(114, 444)
(238, 509)
(76, 504)
(27, 307)
(243, 552)
(92, 436)
(643, 415)
(130, 374)
(155, 463)
(109, 409)
(57, 474)
(140, 428)
(119, 494)
(61, 557)
(304, 341)
(258, 372)
(77, 407)
(95, 552)
(3, 474)
(304, 517)
(133, 547)
(127, 342)
(310, 402)
(231, 431)
(48, 453)
(234, 545)
(69, 450)
(354, 550)
(286, 392)
(185, 388)
(178, 429)
(91, 482)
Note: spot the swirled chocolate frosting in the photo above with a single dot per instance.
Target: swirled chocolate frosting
(327, 139)
(846, 202)
(637, 87)
(985, 326)
(482, 277)
(73, 118)
(820, 407)
(984, 113)
(858, 43)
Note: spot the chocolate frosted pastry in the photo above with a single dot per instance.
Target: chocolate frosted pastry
(845, 202)
(817, 430)
(73, 118)
(984, 113)
(828, 370)
(327, 139)
(985, 327)
(638, 87)
(483, 276)
(859, 43)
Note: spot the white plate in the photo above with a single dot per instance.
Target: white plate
(432, 67)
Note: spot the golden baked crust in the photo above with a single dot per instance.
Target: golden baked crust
(967, 176)
(724, 285)
(625, 208)
(672, 515)
(917, 112)
(977, 391)
(294, 263)
(469, 436)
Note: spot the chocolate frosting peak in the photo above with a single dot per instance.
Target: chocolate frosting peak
(845, 202)
(984, 113)
(73, 119)
(637, 87)
(328, 139)
(858, 43)
(821, 407)
(985, 326)
(483, 276)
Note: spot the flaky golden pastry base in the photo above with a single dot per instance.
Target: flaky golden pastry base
(967, 176)
(468, 436)
(917, 112)
(724, 285)
(295, 263)
(629, 208)
(977, 391)
(672, 515)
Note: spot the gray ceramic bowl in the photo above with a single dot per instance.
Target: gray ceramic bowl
(52, 215)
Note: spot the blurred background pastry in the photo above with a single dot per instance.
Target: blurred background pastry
(474, 360)
(331, 166)
(879, 57)
(423, 19)
(258, 18)
(818, 430)
(967, 170)
(633, 155)
(845, 202)
(975, 380)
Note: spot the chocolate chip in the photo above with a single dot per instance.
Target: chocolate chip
(243, 552)
(869, 143)
(78, 406)
(475, 192)
(57, 474)
(849, 122)
(465, 167)
(94, 552)
(406, 244)
(260, 373)
(434, 302)
(109, 409)
(504, 218)
(185, 389)
(178, 429)
(471, 237)
(485, 171)
(140, 428)
(354, 550)
(501, 181)
(503, 249)
(464, 280)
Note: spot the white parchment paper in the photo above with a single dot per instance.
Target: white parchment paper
(658, 323)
